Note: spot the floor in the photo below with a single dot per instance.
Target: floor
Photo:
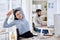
(42, 38)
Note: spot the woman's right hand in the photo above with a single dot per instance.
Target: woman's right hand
(9, 13)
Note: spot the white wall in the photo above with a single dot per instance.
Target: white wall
(54, 16)
(58, 6)
(52, 9)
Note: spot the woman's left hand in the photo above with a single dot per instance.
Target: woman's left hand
(9, 13)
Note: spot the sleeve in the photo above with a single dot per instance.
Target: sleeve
(6, 25)
(35, 21)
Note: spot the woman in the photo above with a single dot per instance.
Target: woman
(20, 22)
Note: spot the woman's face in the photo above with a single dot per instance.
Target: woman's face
(18, 15)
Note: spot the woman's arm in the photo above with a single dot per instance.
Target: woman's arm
(6, 25)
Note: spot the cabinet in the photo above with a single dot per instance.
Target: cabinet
(57, 24)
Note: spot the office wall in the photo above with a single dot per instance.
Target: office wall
(54, 15)
(51, 10)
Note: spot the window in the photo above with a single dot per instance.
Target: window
(6, 5)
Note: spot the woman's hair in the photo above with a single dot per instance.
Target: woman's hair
(14, 12)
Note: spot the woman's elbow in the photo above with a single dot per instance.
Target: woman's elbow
(5, 26)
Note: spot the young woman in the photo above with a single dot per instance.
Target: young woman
(21, 23)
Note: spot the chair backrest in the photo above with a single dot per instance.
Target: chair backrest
(17, 32)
